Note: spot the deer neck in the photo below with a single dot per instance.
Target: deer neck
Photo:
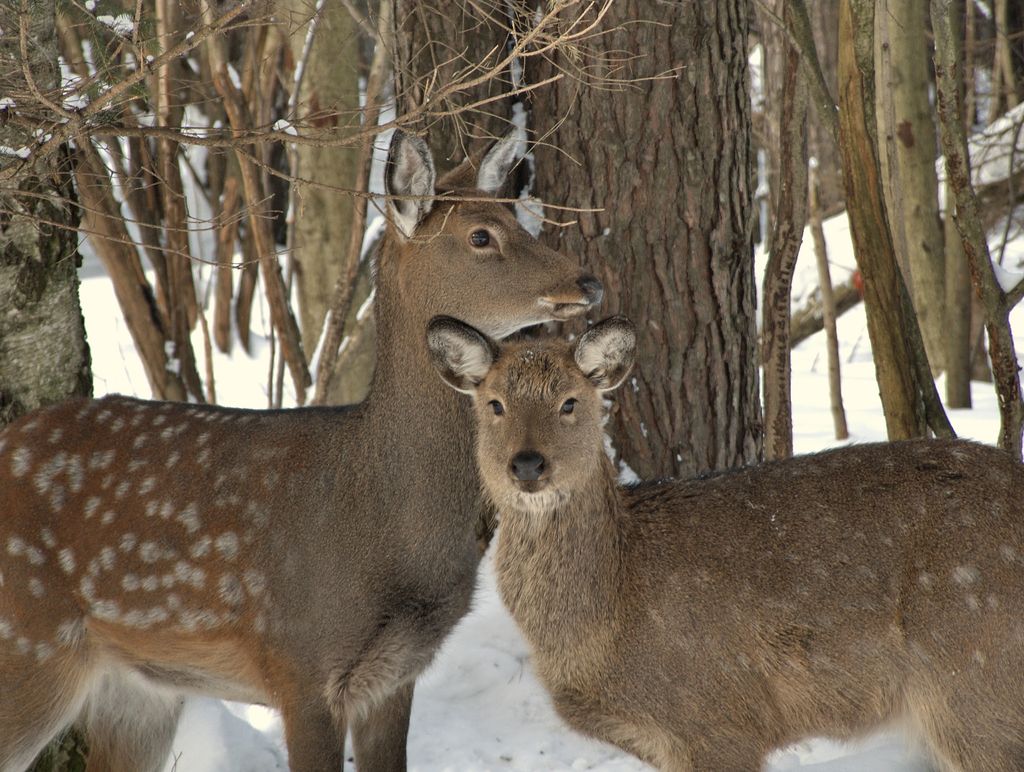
(558, 573)
(406, 395)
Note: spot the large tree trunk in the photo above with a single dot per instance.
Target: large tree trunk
(907, 147)
(328, 97)
(43, 354)
(667, 162)
(443, 41)
(44, 357)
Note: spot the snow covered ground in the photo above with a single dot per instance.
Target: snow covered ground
(480, 707)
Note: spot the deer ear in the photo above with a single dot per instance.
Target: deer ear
(409, 172)
(500, 159)
(460, 353)
(606, 351)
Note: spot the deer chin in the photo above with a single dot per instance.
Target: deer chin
(541, 502)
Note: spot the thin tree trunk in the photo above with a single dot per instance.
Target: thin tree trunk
(783, 248)
(997, 303)
(958, 314)
(907, 150)
(828, 310)
(667, 162)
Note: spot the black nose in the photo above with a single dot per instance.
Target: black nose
(593, 290)
(527, 465)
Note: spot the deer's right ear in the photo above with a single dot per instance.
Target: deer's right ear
(461, 354)
(409, 172)
(606, 351)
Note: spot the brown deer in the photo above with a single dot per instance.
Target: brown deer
(309, 559)
(701, 624)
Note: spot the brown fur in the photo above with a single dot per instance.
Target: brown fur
(312, 559)
(701, 624)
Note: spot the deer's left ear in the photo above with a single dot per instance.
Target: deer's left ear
(500, 159)
(461, 354)
(409, 172)
(605, 353)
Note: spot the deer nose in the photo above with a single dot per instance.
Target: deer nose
(592, 288)
(527, 465)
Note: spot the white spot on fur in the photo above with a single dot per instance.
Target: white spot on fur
(122, 488)
(150, 583)
(24, 645)
(147, 485)
(15, 546)
(966, 575)
(230, 590)
(201, 548)
(35, 588)
(149, 552)
(91, 505)
(20, 462)
(130, 582)
(227, 545)
(108, 558)
(172, 458)
(255, 582)
(107, 610)
(48, 539)
(55, 435)
(190, 574)
(35, 556)
(66, 559)
(140, 440)
(6, 630)
(189, 517)
(108, 517)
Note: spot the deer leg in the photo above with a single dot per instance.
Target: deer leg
(38, 698)
(129, 724)
(314, 736)
(380, 736)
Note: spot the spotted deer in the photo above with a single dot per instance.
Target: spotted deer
(700, 624)
(309, 559)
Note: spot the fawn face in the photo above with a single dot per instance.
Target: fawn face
(471, 258)
(538, 405)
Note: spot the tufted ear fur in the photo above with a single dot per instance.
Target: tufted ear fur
(409, 172)
(460, 353)
(606, 351)
(499, 160)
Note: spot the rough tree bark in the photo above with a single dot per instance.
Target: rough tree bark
(897, 382)
(44, 356)
(783, 248)
(439, 42)
(668, 163)
(907, 147)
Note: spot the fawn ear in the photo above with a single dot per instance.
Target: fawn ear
(462, 354)
(409, 172)
(606, 351)
(500, 159)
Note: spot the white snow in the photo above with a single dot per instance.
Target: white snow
(122, 24)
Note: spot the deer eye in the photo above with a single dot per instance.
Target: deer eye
(480, 238)
(497, 407)
(568, 406)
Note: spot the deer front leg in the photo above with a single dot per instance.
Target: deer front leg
(315, 737)
(380, 736)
